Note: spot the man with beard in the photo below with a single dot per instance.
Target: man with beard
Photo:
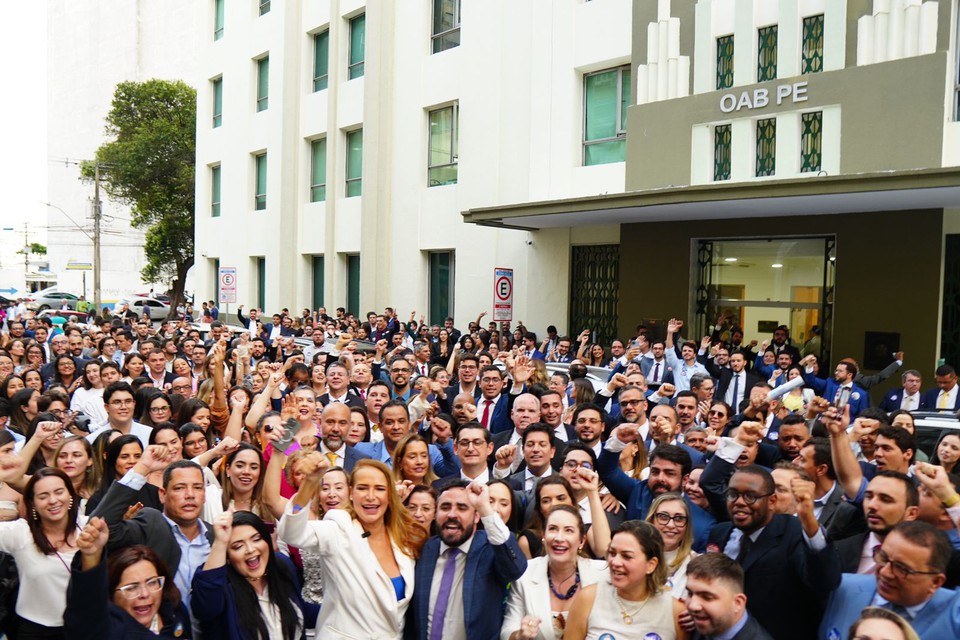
(840, 518)
(839, 390)
(669, 469)
(463, 573)
(717, 602)
(334, 423)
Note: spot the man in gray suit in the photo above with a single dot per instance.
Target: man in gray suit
(717, 602)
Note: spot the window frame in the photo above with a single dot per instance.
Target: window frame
(315, 186)
(718, 175)
(621, 121)
(804, 60)
(438, 38)
(759, 143)
(761, 31)
(219, 18)
(356, 69)
(216, 186)
(357, 180)
(454, 151)
(217, 102)
(264, 7)
(263, 82)
(818, 114)
(323, 79)
(260, 197)
(733, 44)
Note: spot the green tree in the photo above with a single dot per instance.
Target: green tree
(149, 164)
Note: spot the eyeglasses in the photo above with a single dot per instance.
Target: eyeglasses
(400, 370)
(165, 407)
(749, 497)
(121, 403)
(573, 464)
(58, 412)
(631, 403)
(180, 387)
(135, 590)
(722, 414)
(663, 517)
(899, 569)
(477, 444)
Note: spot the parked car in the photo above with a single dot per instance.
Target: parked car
(52, 299)
(930, 425)
(158, 309)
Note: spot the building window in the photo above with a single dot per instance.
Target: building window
(606, 96)
(317, 273)
(441, 286)
(725, 62)
(321, 60)
(217, 102)
(811, 141)
(218, 18)
(354, 163)
(216, 279)
(318, 170)
(444, 133)
(215, 191)
(264, 7)
(358, 46)
(260, 195)
(812, 57)
(766, 147)
(446, 25)
(767, 54)
(721, 152)
(353, 284)
(261, 283)
(263, 83)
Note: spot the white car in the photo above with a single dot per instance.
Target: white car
(158, 309)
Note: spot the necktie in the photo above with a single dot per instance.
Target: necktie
(734, 399)
(443, 594)
(485, 419)
(363, 393)
(942, 401)
(332, 457)
(656, 372)
(899, 610)
(745, 544)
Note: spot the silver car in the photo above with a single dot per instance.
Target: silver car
(52, 299)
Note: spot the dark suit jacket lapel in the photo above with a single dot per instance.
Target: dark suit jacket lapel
(426, 565)
(768, 540)
(470, 575)
(830, 508)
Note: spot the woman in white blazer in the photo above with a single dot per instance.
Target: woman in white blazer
(367, 554)
(539, 601)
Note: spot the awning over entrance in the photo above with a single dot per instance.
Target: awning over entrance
(903, 190)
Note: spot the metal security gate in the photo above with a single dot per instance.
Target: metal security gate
(595, 290)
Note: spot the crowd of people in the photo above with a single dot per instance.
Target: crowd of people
(329, 476)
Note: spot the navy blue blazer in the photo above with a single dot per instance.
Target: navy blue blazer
(928, 401)
(859, 399)
(780, 567)
(499, 420)
(891, 401)
(939, 619)
(637, 497)
(489, 570)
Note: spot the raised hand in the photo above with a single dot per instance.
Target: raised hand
(589, 480)
(749, 433)
(223, 527)
(627, 433)
(506, 455)
(48, 429)
(478, 495)
(404, 489)
(935, 479)
(803, 493)
(93, 538)
(155, 458)
(529, 628)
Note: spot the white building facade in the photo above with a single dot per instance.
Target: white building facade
(339, 141)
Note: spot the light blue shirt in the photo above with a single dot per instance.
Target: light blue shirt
(193, 555)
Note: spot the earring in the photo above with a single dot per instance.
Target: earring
(33, 512)
(71, 504)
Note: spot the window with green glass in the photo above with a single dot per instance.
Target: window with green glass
(264, 7)
(811, 141)
(606, 95)
(321, 60)
(812, 54)
(441, 285)
(444, 131)
(263, 83)
(318, 170)
(260, 193)
(217, 102)
(767, 54)
(216, 278)
(446, 25)
(358, 46)
(218, 10)
(766, 147)
(722, 138)
(215, 191)
(261, 282)
(353, 284)
(318, 273)
(725, 62)
(354, 163)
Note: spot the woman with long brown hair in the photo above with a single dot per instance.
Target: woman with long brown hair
(367, 553)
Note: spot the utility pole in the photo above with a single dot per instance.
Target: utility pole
(96, 239)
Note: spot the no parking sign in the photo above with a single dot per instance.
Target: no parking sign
(502, 294)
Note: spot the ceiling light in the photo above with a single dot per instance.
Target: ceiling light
(729, 259)
(777, 265)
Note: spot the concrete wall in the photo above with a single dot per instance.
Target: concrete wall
(886, 278)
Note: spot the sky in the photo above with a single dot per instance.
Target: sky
(23, 114)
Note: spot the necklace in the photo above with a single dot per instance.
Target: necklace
(628, 617)
(571, 591)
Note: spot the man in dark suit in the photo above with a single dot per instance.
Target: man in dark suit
(781, 343)
(734, 384)
(715, 598)
(462, 574)
(840, 389)
(946, 396)
(157, 370)
(334, 424)
(493, 406)
(784, 558)
(339, 388)
(906, 397)
(537, 449)
(840, 518)
(655, 369)
(911, 566)
(178, 535)
(250, 322)
(468, 372)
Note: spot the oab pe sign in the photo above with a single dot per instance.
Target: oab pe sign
(759, 98)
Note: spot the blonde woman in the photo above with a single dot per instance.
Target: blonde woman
(670, 514)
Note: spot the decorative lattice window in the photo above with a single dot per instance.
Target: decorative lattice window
(811, 141)
(725, 62)
(812, 53)
(721, 152)
(767, 54)
(766, 147)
